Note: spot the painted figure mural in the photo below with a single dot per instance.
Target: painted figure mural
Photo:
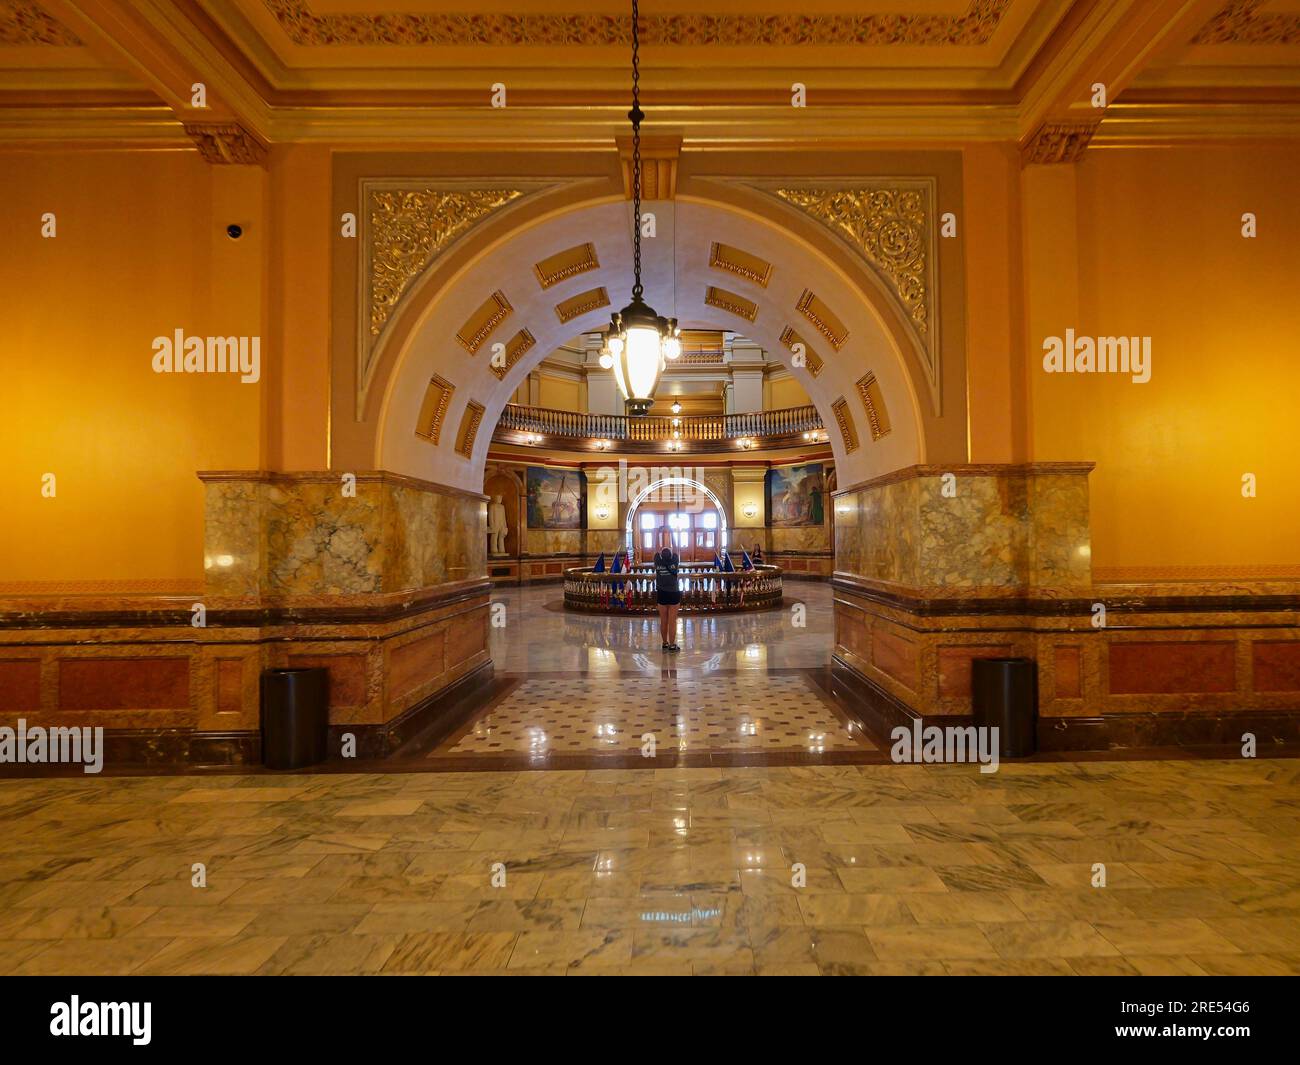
(796, 494)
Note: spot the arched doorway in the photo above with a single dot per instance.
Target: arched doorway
(695, 541)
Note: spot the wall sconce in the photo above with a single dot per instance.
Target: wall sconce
(602, 513)
(677, 407)
(750, 510)
(602, 445)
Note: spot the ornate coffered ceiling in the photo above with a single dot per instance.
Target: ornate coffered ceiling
(25, 23)
(713, 70)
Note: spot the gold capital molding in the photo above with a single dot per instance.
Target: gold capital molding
(659, 156)
(25, 23)
(1058, 142)
(226, 143)
(890, 223)
(406, 225)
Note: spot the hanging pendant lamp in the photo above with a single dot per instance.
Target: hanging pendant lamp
(638, 340)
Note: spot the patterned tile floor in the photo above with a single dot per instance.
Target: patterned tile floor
(578, 714)
(909, 869)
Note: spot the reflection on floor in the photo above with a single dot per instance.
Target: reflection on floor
(573, 714)
(539, 637)
(582, 692)
(909, 869)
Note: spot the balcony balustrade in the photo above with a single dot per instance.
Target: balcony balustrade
(688, 429)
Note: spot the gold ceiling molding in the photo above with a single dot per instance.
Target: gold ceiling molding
(26, 24)
(566, 264)
(729, 301)
(972, 27)
(848, 431)
(741, 263)
(226, 143)
(1057, 142)
(406, 225)
(873, 399)
(486, 317)
(811, 360)
(577, 306)
(437, 397)
(516, 347)
(469, 423)
(814, 308)
(890, 223)
(1242, 22)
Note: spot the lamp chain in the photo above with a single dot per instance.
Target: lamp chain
(636, 115)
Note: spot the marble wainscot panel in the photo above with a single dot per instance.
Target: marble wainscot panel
(1003, 568)
(384, 587)
(805, 538)
(554, 542)
(606, 540)
(329, 538)
(969, 531)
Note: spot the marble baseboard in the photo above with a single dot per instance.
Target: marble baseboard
(879, 712)
(172, 681)
(171, 749)
(1213, 663)
(1118, 731)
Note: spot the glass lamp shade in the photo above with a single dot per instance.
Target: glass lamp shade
(637, 344)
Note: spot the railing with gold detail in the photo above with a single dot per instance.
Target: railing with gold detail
(692, 428)
(705, 590)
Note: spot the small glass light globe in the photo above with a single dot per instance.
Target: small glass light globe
(672, 347)
(606, 360)
(615, 345)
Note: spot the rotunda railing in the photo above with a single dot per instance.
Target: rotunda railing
(705, 589)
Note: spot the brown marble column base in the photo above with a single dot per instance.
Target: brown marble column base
(421, 725)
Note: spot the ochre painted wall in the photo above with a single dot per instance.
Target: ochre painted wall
(560, 393)
(140, 251)
(1155, 239)
(785, 392)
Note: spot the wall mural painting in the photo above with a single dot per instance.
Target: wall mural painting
(556, 498)
(796, 496)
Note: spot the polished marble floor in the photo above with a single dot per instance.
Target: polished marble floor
(538, 636)
(584, 691)
(907, 870)
(579, 714)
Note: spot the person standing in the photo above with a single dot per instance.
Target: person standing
(669, 596)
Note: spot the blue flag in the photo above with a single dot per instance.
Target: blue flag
(599, 567)
(729, 566)
(617, 567)
(717, 560)
(745, 562)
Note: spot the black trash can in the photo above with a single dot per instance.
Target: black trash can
(1004, 695)
(295, 717)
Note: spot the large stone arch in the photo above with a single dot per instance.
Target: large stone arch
(419, 342)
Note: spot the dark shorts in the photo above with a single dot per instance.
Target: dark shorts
(670, 598)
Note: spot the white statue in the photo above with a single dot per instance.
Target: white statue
(497, 526)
